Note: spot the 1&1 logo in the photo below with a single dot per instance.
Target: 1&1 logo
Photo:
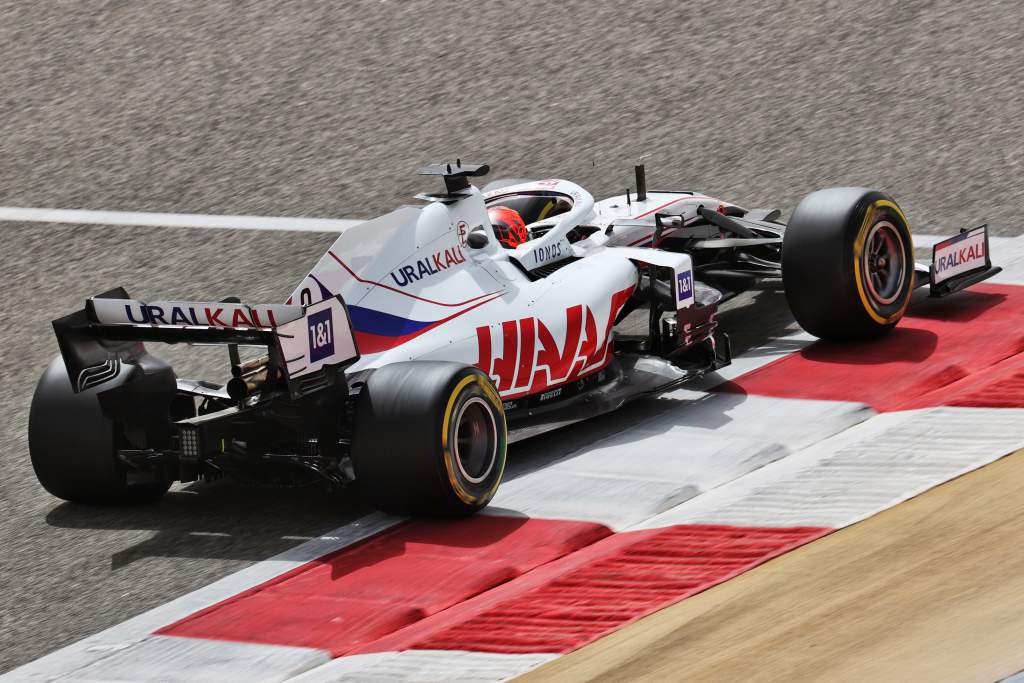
(321, 335)
(684, 285)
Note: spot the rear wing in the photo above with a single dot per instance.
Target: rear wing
(308, 343)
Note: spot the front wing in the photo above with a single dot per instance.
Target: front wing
(960, 261)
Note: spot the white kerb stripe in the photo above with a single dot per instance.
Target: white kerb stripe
(859, 472)
(192, 660)
(421, 666)
(175, 220)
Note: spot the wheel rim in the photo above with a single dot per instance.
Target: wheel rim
(476, 440)
(884, 263)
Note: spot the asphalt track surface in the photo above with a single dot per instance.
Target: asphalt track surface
(315, 109)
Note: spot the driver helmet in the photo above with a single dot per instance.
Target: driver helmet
(508, 226)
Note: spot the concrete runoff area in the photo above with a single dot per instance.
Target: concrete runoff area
(928, 590)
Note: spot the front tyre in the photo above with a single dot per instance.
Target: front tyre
(848, 263)
(429, 439)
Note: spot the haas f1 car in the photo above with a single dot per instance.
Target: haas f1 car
(425, 340)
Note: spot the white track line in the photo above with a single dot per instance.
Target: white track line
(195, 220)
(174, 220)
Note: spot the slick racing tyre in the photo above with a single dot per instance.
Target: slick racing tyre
(429, 439)
(73, 445)
(847, 263)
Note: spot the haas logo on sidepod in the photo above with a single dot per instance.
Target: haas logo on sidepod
(532, 360)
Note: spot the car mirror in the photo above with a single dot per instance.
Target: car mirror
(477, 239)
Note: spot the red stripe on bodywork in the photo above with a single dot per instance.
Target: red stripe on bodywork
(399, 291)
(505, 365)
(962, 350)
(527, 334)
(483, 341)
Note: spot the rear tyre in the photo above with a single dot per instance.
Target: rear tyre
(73, 445)
(429, 439)
(848, 263)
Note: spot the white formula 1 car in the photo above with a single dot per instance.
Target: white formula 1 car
(426, 339)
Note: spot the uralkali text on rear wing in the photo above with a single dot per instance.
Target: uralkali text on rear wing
(191, 314)
(108, 330)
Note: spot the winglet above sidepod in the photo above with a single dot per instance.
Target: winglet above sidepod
(456, 175)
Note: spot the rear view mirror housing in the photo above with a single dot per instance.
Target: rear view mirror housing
(477, 239)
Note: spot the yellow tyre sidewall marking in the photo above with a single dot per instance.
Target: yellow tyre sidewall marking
(449, 455)
(858, 250)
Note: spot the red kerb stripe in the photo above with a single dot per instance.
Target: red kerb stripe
(489, 583)
(944, 352)
(394, 579)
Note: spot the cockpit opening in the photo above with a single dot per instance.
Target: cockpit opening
(511, 214)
